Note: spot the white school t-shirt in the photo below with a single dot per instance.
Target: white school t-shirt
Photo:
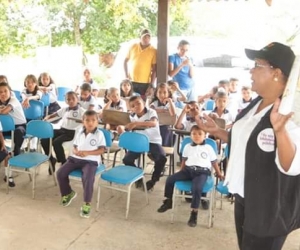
(199, 155)
(16, 112)
(153, 133)
(66, 112)
(89, 142)
(90, 101)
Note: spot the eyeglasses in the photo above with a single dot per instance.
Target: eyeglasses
(258, 65)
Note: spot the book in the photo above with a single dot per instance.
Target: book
(290, 101)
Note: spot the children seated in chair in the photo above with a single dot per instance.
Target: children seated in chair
(89, 144)
(86, 99)
(67, 130)
(197, 160)
(146, 118)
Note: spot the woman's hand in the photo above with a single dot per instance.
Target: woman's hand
(207, 124)
(278, 121)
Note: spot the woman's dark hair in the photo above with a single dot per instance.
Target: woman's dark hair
(33, 78)
(40, 79)
(159, 86)
(122, 94)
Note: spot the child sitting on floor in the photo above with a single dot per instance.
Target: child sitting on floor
(197, 160)
(89, 144)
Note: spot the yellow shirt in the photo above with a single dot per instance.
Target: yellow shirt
(141, 63)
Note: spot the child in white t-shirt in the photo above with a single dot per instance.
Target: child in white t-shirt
(89, 144)
(197, 160)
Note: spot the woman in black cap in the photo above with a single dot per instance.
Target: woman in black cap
(264, 163)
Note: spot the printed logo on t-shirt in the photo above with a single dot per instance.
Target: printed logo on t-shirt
(204, 155)
(93, 142)
(266, 140)
(75, 114)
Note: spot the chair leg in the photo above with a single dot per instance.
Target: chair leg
(128, 200)
(211, 210)
(145, 189)
(7, 181)
(33, 183)
(173, 206)
(98, 196)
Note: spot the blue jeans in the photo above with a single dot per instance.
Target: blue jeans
(158, 155)
(187, 174)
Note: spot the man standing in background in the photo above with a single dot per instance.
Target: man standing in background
(142, 57)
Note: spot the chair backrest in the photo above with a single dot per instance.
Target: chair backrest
(208, 141)
(108, 137)
(115, 117)
(18, 95)
(210, 105)
(184, 142)
(40, 129)
(7, 123)
(35, 111)
(166, 119)
(135, 142)
(61, 93)
(212, 143)
(45, 99)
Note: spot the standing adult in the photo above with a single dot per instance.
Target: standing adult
(142, 57)
(181, 70)
(264, 162)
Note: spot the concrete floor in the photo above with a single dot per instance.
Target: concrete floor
(44, 224)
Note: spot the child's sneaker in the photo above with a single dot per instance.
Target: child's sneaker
(85, 211)
(67, 199)
(11, 182)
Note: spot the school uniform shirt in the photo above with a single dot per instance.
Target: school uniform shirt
(76, 112)
(188, 123)
(254, 172)
(153, 133)
(199, 155)
(226, 115)
(52, 93)
(90, 101)
(233, 102)
(16, 112)
(94, 85)
(242, 103)
(89, 142)
(121, 105)
(159, 105)
(25, 94)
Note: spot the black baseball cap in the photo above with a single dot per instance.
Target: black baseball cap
(277, 54)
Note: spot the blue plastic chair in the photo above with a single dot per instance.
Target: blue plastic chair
(35, 111)
(126, 175)
(181, 187)
(28, 162)
(8, 124)
(46, 101)
(210, 105)
(18, 95)
(61, 93)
